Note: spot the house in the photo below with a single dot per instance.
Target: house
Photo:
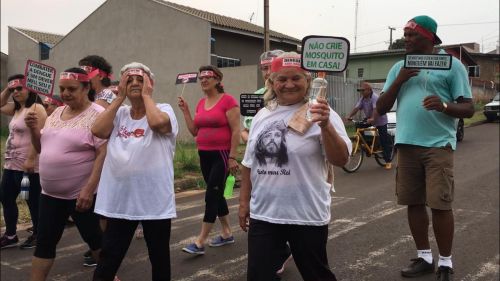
(168, 37)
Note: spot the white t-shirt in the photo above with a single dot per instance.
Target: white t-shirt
(288, 171)
(137, 180)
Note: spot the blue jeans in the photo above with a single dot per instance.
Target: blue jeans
(385, 143)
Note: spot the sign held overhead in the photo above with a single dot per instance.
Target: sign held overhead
(325, 53)
(437, 62)
(39, 78)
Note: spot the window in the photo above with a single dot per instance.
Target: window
(473, 70)
(44, 51)
(360, 72)
(225, 61)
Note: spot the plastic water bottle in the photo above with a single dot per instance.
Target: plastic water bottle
(228, 189)
(318, 89)
(25, 187)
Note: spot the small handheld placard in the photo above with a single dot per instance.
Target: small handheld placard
(39, 78)
(325, 53)
(185, 78)
(435, 62)
(250, 104)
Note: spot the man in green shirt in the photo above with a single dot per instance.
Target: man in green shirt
(429, 103)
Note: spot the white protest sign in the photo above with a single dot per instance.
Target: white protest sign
(39, 78)
(437, 62)
(325, 53)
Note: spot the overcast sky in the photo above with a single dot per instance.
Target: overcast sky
(459, 21)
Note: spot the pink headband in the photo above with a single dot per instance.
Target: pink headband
(74, 76)
(422, 31)
(15, 83)
(134, 71)
(208, 73)
(283, 62)
(93, 72)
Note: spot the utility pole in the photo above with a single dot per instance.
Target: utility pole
(391, 29)
(356, 26)
(266, 25)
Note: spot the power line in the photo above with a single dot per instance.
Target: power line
(385, 42)
(469, 23)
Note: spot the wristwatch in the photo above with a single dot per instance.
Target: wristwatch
(445, 106)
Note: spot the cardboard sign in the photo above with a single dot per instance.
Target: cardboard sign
(250, 104)
(325, 53)
(437, 62)
(185, 78)
(40, 78)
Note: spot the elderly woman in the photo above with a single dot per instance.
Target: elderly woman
(20, 157)
(71, 160)
(216, 126)
(285, 195)
(137, 182)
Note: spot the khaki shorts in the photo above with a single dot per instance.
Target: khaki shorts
(424, 175)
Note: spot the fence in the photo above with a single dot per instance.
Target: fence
(342, 94)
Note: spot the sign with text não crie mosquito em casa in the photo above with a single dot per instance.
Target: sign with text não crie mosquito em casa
(325, 53)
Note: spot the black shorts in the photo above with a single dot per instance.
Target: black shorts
(54, 213)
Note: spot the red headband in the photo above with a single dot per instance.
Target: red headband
(15, 83)
(93, 72)
(422, 31)
(283, 62)
(208, 73)
(74, 76)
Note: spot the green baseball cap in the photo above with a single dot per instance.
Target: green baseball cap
(429, 24)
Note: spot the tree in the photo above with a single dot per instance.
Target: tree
(398, 44)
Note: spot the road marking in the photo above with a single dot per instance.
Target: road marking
(487, 271)
(342, 226)
(370, 261)
(175, 223)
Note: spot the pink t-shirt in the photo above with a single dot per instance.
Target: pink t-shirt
(68, 152)
(214, 132)
(18, 143)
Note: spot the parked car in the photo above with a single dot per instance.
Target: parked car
(391, 124)
(491, 110)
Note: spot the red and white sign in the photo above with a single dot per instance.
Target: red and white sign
(39, 78)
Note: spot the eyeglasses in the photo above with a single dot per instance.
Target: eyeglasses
(19, 88)
(360, 90)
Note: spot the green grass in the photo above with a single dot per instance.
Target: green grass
(186, 159)
(477, 117)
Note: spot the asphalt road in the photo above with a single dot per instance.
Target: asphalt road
(369, 237)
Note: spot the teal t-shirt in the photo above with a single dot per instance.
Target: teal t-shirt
(247, 121)
(415, 124)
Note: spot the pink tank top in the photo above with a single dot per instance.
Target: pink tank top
(18, 143)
